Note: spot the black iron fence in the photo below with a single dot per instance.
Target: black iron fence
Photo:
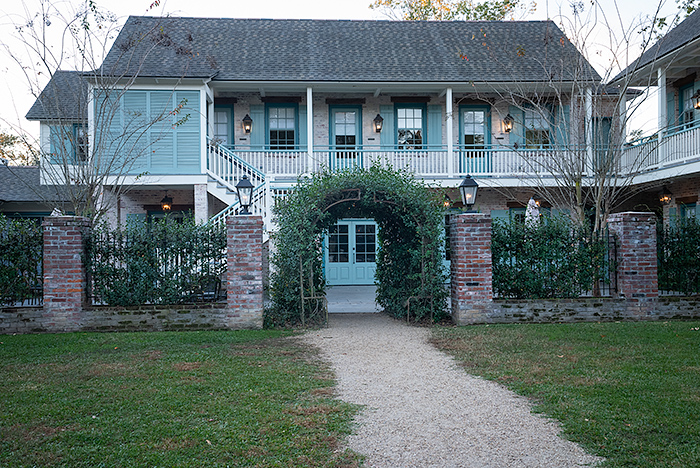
(21, 256)
(164, 262)
(552, 258)
(678, 248)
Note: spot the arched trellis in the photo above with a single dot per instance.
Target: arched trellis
(409, 265)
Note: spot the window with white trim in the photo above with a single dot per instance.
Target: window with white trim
(410, 126)
(282, 127)
(537, 131)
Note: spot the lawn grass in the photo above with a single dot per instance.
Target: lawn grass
(200, 399)
(629, 392)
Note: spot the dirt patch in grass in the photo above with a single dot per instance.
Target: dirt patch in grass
(187, 366)
(323, 392)
(36, 433)
(309, 410)
(170, 443)
(101, 369)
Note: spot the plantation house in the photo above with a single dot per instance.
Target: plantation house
(183, 108)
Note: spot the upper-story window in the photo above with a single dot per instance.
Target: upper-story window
(82, 145)
(223, 128)
(687, 111)
(474, 128)
(282, 127)
(410, 124)
(537, 131)
(69, 144)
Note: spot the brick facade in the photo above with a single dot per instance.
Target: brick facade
(471, 272)
(637, 275)
(245, 271)
(64, 273)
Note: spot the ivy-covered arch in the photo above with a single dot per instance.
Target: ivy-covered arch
(409, 262)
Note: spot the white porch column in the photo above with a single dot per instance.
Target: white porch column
(589, 130)
(661, 96)
(309, 129)
(450, 136)
(201, 204)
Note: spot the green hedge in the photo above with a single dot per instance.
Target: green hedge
(678, 249)
(552, 259)
(21, 247)
(162, 262)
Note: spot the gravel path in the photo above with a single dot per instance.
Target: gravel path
(421, 410)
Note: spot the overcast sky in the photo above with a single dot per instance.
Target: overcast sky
(16, 97)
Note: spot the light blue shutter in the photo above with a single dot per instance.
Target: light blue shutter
(562, 125)
(133, 131)
(517, 135)
(135, 219)
(502, 215)
(188, 138)
(61, 138)
(388, 136)
(302, 127)
(671, 110)
(434, 137)
(257, 134)
(672, 217)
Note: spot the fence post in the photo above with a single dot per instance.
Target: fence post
(244, 271)
(65, 283)
(471, 268)
(637, 271)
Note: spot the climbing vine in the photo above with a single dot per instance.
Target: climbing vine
(409, 265)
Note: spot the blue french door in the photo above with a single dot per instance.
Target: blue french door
(346, 135)
(351, 252)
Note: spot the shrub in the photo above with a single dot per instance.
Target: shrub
(551, 259)
(21, 246)
(678, 249)
(162, 262)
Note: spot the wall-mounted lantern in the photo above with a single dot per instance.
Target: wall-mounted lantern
(696, 99)
(166, 204)
(665, 197)
(467, 190)
(447, 202)
(508, 122)
(247, 124)
(245, 194)
(378, 123)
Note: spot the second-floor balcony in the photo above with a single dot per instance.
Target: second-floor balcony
(677, 146)
(429, 162)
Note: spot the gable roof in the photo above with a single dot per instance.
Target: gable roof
(64, 97)
(687, 31)
(349, 51)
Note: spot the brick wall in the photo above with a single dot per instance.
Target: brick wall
(637, 278)
(471, 273)
(64, 273)
(245, 274)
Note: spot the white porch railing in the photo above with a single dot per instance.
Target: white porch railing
(427, 163)
(677, 147)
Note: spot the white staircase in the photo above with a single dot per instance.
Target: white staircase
(225, 169)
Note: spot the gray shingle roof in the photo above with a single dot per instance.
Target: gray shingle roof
(332, 50)
(64, 97)
(686, 31)
(21, 184)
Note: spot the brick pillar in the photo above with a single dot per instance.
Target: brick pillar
(244, 285)
(471, 273)
(64, 273)
(637, 274)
